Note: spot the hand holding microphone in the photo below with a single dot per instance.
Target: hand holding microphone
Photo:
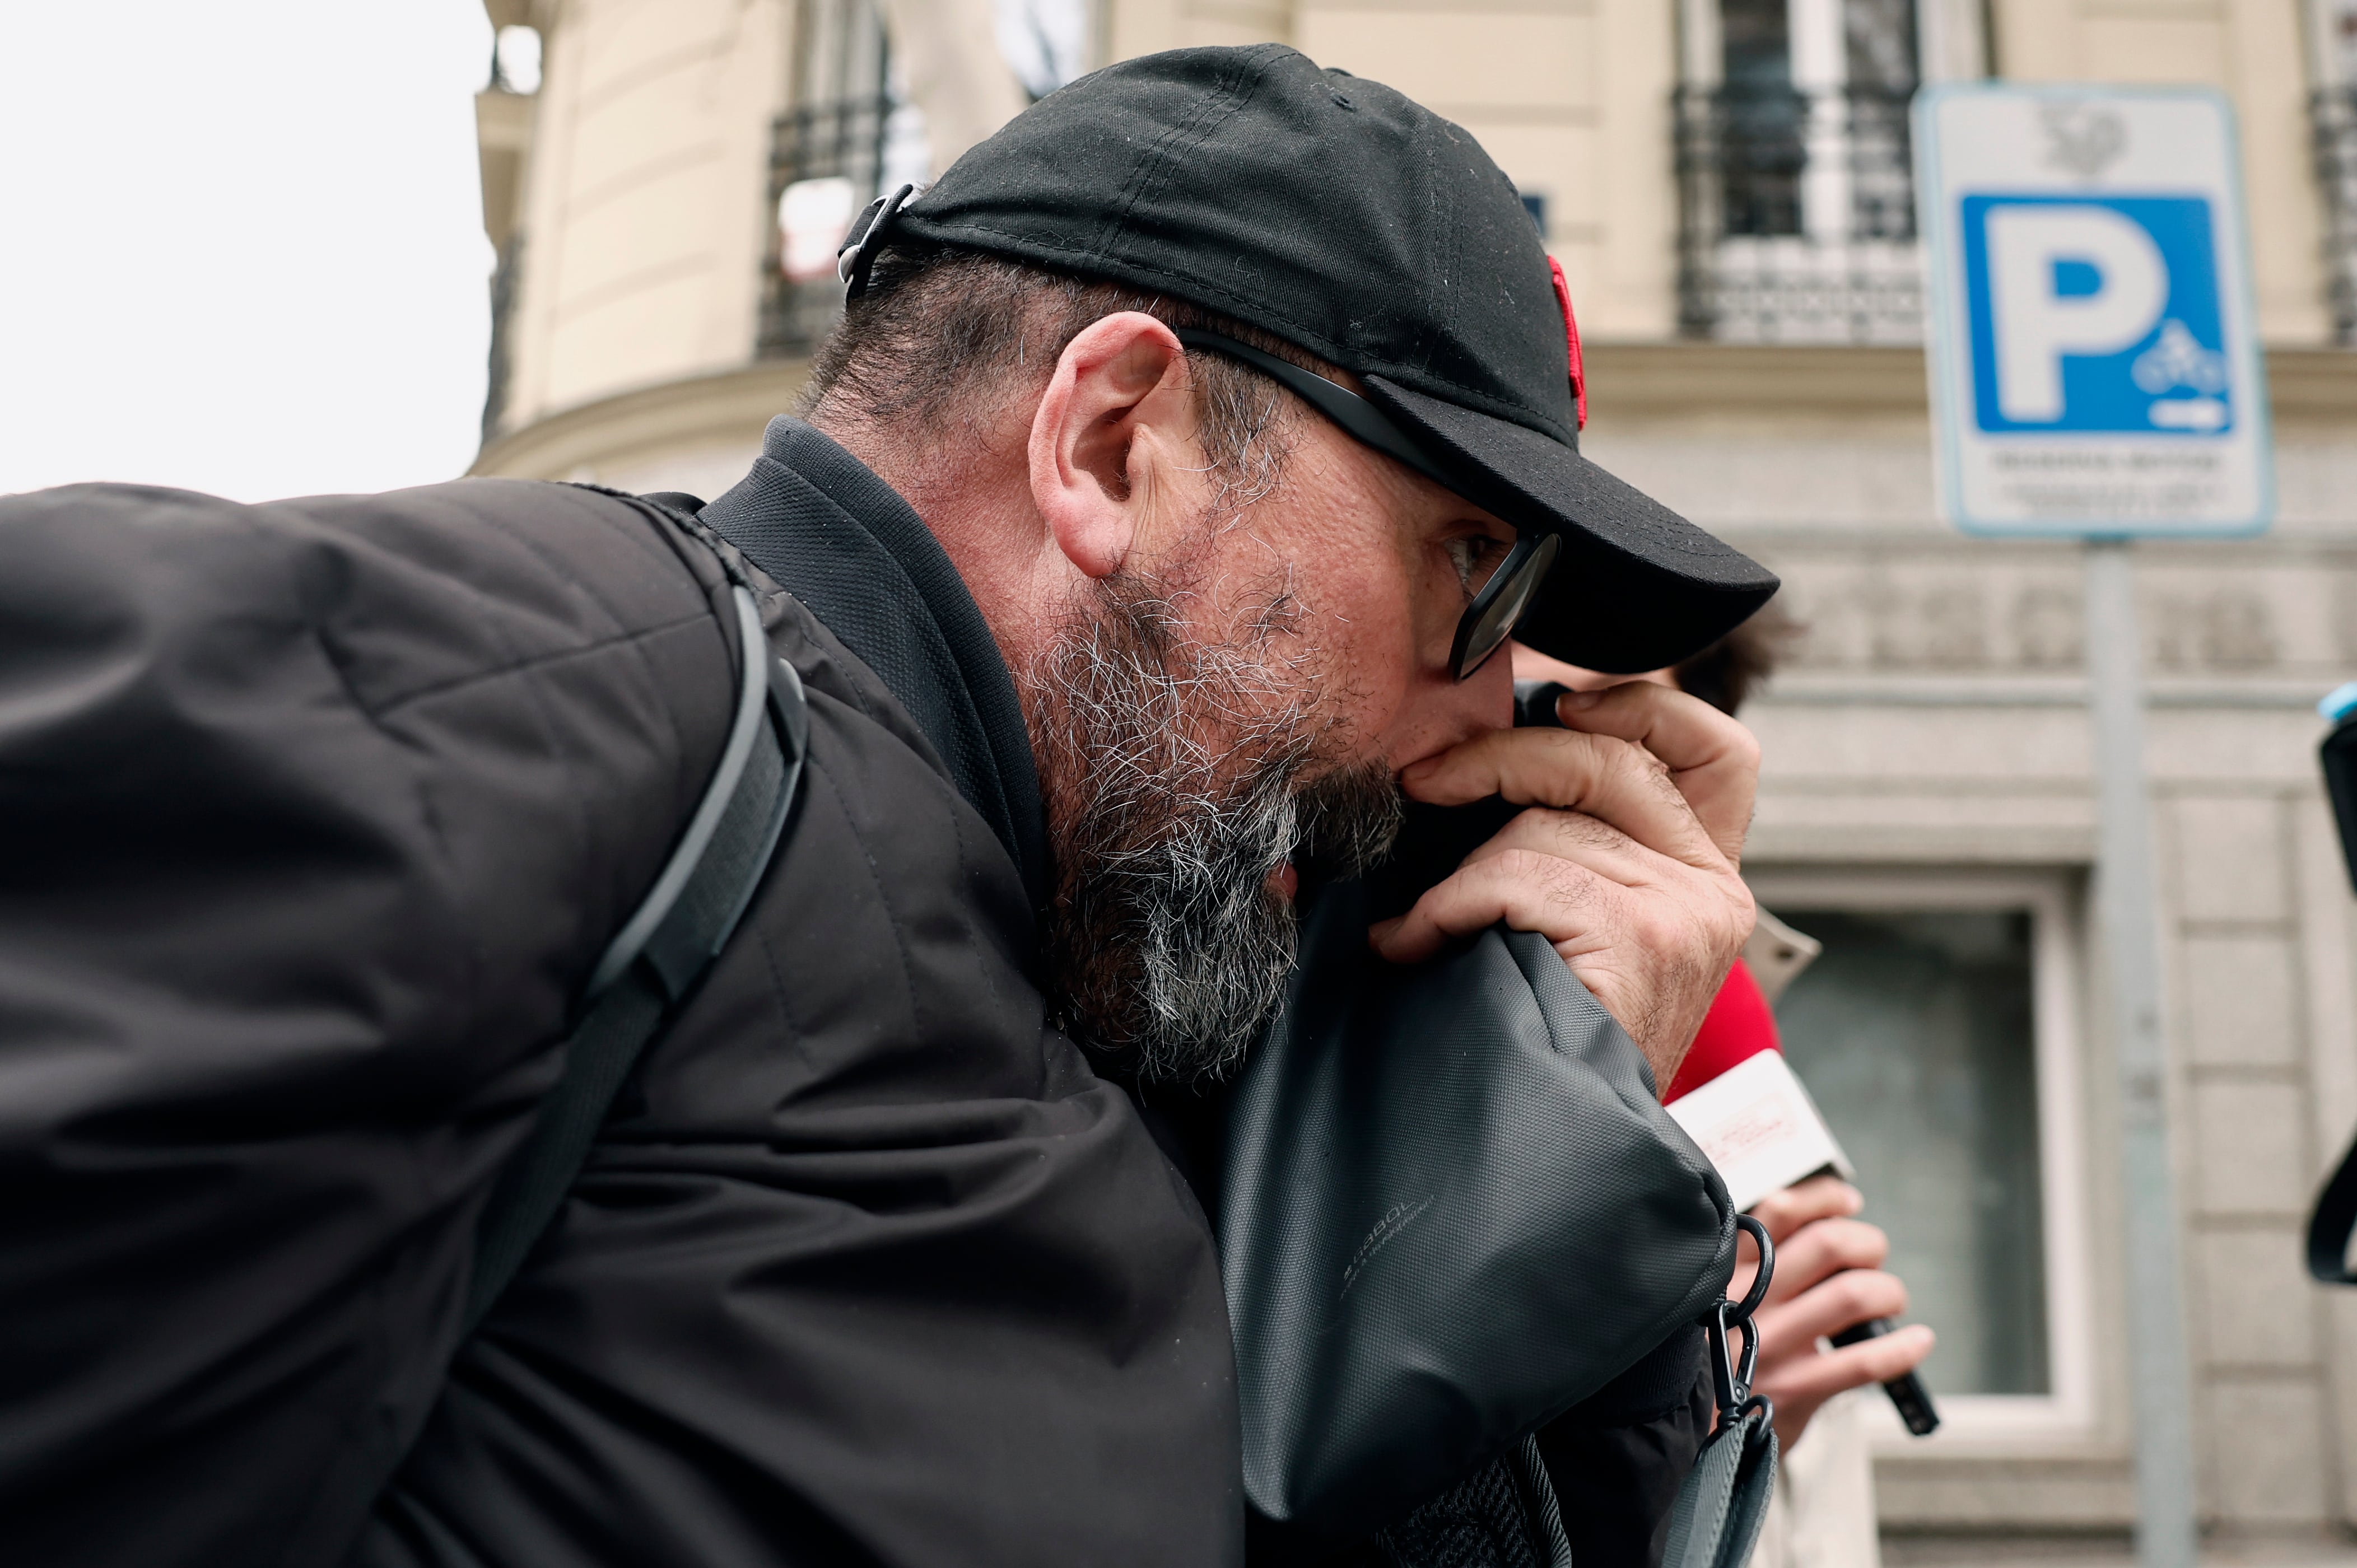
(1738, 1101)
(1829, 1284)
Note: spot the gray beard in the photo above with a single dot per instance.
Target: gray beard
(1180, 777)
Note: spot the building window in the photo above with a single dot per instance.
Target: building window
(503, 137)
(850, 134)
(515, 60)
(1945, 1129)
(1797, 205)
(1936, 1033)
(1046, 42)
(500, 361)
(2333, 122)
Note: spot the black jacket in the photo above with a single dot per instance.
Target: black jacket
(313, 816)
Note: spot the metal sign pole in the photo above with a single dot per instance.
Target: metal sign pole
(2127, 901)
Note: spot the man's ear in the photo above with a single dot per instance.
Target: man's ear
(1114, 434)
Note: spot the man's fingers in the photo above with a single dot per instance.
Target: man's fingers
(1811, 1253)
(1713, 760)
(1826, 1308)
(1800, 1377)
(1615, 869)
(1568, 835)
(1815, 1379)
(1822, 1250)
(1558, 899)
(1596, 775)
(1889, 1356)
(1819, 1198)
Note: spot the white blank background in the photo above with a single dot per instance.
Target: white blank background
(241, 243)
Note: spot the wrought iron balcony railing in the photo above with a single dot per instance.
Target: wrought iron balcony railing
(842, 144)
(502, 350)
(2332, 122)
(1797, 216)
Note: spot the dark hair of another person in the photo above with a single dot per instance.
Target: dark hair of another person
(1731, 671)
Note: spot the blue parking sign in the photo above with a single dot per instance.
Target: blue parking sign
(2093, 365)
(2096, 315)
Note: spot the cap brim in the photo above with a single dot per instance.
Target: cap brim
(1636, 588)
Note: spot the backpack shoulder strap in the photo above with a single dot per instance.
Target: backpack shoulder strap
(659, 955)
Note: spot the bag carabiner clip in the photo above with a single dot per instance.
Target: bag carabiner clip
(1730, 1378)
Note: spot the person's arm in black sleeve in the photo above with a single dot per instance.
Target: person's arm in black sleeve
(1617, 1458)
(312, 817)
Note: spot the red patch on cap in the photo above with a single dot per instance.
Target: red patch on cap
(1571, 339)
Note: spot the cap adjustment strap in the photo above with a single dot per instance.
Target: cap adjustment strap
(857, 255)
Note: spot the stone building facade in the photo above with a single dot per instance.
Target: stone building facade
(1724, 183)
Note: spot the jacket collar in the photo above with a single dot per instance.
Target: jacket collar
(821, 524)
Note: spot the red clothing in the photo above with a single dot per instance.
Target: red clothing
(1738, 1025)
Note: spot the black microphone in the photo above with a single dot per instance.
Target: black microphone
(1906, 1390)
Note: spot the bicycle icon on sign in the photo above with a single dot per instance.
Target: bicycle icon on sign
(2177, 360)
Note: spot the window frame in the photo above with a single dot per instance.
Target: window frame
(2067, 1410)
(1951, 40)
(1851, 271)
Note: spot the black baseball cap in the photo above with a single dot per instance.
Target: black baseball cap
(1362, 227)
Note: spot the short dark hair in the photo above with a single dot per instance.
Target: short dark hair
(939, 322)
(1730, 671)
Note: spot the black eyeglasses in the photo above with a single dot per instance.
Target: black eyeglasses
(1501, 602)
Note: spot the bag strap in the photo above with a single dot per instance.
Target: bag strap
(1716, 1520)
(658, 956)
(1550, 1542)
(2331, 1222)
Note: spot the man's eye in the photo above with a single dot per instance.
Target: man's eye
(1475, 557)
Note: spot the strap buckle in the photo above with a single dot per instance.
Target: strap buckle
(857, 253)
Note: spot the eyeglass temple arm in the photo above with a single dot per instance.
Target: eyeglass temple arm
(1346, 408)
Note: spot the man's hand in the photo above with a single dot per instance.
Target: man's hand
(1828, 1277)
(1625, 862)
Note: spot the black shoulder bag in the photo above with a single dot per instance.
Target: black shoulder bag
(1454, 1207)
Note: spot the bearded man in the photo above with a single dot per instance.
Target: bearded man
(1182, 458)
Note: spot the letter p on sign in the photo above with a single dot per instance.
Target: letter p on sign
(2035, 252)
